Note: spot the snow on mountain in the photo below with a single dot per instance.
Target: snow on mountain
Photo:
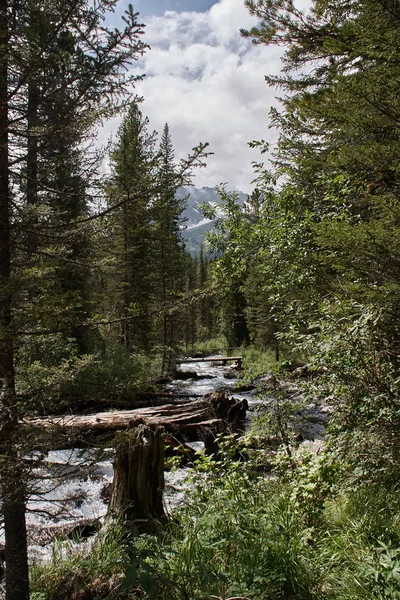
(195, 224)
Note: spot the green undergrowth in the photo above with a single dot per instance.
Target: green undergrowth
(93, 573)
(258, 362)
(297, 533)
(303, 535)
(112, 374)
(207, 347)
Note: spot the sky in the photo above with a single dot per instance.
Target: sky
(207, 83)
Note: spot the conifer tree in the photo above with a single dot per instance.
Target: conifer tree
(169, 249)
(133, 163)
(92, 59)
(191, 316)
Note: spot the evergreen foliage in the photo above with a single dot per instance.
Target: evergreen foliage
(133, 163)
(170, 262)
(308, 268)
(62, 70)
(316, 257)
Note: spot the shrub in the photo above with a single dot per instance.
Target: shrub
(237, 535)
(79, 575)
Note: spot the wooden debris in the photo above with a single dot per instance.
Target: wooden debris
(189, 421)
(219, 360)
(139, 479)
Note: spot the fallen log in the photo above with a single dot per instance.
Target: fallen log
(189, 421)
(215, 360)
(143, 400)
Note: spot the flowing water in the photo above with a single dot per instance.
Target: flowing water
(73, 486)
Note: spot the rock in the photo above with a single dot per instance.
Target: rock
(302, 372)
(230, 375)
(84, 529)
(269, 382)
(184, 375)
(79, 529)
(161, 379)
(244, 387)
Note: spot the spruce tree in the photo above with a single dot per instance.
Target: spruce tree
(92, 59)
(169, 250)
(133, 166)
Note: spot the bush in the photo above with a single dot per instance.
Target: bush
(238, 535)
(54, 386)
(208, 347)
(359, 361)
(77, 575)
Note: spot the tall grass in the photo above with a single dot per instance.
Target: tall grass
(74, 574)
(238, 535)
(241, 535)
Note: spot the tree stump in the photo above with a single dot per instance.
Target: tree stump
(139, 478)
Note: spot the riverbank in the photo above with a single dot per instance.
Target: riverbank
(74, 485)
(236, 531)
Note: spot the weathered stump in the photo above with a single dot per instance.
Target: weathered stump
(139, 478)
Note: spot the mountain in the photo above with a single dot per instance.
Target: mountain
(195, 225)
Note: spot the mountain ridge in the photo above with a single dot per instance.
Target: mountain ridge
(195, 225)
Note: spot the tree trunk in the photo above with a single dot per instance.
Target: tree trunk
(13, 493)
(139, 479)
(189, 421)
(32, 167)
(12, 489)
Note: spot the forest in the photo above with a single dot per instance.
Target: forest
(99, 301)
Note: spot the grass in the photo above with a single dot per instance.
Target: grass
(83, 575)
(300, 534)
(242, 535)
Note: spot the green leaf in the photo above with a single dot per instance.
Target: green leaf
(131, 577)
(149, 584)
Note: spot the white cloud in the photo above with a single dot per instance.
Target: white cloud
(207, 82)
(227, 17)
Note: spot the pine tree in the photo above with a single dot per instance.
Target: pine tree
(92, 59)
(191, 307)
(169, 249)
(133, 164)
(12, 489)
(145, 228)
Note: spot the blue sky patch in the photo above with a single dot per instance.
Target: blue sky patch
(158, 7)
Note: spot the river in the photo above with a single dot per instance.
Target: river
(73, 486)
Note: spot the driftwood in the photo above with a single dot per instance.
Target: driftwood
(156, 399)
(216, 360)
(189, 421)
(178, 449)
(143, 399)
